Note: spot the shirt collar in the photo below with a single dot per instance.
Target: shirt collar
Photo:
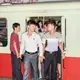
(32, 33)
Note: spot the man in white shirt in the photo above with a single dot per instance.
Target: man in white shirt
(29, 43)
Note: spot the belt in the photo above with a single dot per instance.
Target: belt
(31, 52)
(50, 52)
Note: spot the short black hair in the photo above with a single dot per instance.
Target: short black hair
(31, 22)
(15, 25)
(51, 21)
(39, 21)
(45, 23)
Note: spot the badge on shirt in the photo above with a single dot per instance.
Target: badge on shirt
(33, 38)
(57, 37)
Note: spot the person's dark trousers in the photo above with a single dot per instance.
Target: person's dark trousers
(16, 71)
(50, 62)
(42, 70)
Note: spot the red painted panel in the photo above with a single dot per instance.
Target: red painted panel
(5, 65)
(71, 70)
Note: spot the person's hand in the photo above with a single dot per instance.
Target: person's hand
(18, 55)
(41, 58)
(63, 56)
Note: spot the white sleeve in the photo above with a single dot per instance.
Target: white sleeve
(22, 45)
(39, 42)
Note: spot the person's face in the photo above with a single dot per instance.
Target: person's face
(32, 27)
(50, 27)
(45, 28)
(17, 29)
(40, 24)
(59, 24)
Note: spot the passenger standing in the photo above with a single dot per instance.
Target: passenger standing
(40, 27)
(15, 53)
(29, 43)
(41, 64)
(51, 41)
(58, 31)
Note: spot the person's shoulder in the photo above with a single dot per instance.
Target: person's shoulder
(58, 33)
(35, 33)
(24, 33)
(46, 33)
(13, 34)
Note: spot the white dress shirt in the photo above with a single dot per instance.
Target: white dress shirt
(31, 43)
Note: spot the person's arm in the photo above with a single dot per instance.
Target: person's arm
(40, 48)
(43, 45)
(15, 38)
(61, 48)
(39, 45)
(16, 50)
(43, 48)
(22, 45)
(61, 45)
(44, 42)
